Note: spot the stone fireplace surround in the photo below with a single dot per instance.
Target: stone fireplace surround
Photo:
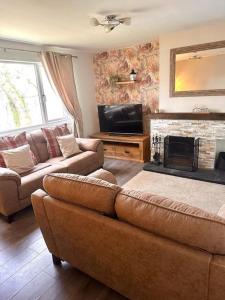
(208, 127)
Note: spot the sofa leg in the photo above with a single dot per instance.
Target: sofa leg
(56, 260)
(9, 219)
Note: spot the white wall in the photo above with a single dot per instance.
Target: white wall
(209, 33)
(84, 76)
(85, 83)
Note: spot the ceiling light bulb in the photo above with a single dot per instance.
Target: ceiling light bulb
(125, 21)
(108, 28)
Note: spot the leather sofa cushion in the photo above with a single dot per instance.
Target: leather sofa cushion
(171, 219)
(86, 144)
(82, 163)
(88, 192)
(40, 144)
(104, 175)
(55, 160)
(221, 212)
(36, 168)
(32, 181)
(33, 147)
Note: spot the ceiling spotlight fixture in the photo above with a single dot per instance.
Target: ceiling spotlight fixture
(195, 56)
(110, 22)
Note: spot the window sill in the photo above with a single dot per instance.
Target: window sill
(36, 127)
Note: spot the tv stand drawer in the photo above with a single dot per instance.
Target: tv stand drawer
(128, 151)
(109, 149)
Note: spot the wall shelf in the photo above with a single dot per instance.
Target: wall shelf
(126, 82)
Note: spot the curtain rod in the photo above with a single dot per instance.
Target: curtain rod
(6, 48)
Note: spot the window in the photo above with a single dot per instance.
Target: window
(27, 98)
(54, 104)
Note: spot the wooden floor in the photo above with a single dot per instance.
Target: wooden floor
(123, 170)
(26, 269)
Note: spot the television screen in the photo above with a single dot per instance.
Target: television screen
(121, 119)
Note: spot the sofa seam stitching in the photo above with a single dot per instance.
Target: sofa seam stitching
(50, 225)
(139, 227)
(174, 210)
(209, 273)
(84, 182)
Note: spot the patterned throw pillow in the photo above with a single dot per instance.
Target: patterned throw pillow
(50, 135)
(11, 142)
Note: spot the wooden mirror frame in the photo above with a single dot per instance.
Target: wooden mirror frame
(194, 48)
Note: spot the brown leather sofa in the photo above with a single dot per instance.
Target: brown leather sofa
(16, 190)
(141, 245)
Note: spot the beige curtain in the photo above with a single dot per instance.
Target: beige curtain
(59, 68)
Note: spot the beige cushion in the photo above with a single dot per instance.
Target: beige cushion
(171, 219)
(104, 175)
(68, 145)
(89, 192)
(34, 180)
(18, 159)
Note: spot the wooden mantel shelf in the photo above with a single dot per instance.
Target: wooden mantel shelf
(189, 116)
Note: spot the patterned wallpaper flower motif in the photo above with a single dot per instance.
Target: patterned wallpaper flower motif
(144, 59)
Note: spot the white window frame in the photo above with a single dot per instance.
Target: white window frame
(42, 101)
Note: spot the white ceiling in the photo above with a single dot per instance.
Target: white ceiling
(66, 22)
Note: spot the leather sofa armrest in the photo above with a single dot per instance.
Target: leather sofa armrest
(37, 200)
(10, 182)
(104, 175)
(221, 212)
(217, 278)
(7, 174)
(87, 144)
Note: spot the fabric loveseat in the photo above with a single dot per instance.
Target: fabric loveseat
(16, 190)
(143, 246)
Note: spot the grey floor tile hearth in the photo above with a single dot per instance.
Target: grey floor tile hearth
(215, 176)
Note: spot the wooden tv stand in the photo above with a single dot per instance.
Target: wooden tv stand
(128, 147)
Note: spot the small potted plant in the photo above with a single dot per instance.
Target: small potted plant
(113, 79)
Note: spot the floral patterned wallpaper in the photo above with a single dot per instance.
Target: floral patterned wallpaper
(144, 59)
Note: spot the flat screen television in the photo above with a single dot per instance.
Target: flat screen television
(121, 119)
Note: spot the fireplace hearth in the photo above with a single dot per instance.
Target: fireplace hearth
(181, 153)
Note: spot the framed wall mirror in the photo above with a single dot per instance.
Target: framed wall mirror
(198, 70)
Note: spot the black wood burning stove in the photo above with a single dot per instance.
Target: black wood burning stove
(181, 153)
(220, 163)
